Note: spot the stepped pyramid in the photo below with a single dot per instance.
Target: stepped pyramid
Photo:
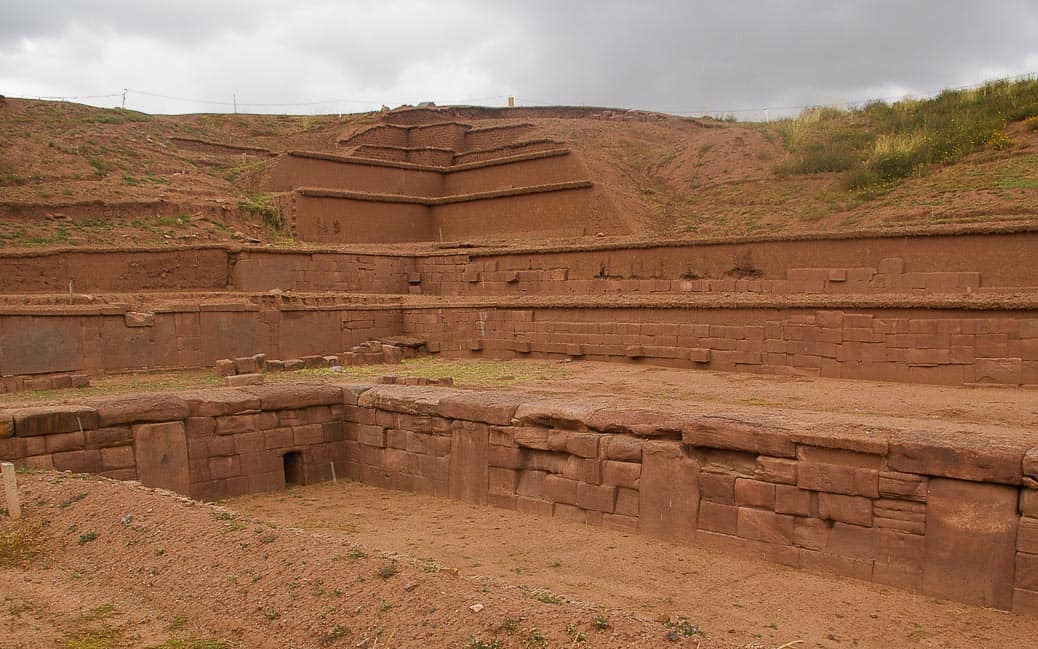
(435, 180)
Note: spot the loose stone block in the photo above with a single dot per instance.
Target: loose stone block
(240, 380)
(224, 367)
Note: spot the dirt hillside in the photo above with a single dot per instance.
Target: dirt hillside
(76, 175)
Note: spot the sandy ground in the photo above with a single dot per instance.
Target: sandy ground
(110, 564)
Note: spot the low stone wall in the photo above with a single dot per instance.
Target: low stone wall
(955, 517)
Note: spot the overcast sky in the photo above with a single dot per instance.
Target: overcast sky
(682, 57)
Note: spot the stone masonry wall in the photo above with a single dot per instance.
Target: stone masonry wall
(111, 338)
(950, 347)
(955, 517)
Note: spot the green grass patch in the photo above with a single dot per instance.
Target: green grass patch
(879, 144)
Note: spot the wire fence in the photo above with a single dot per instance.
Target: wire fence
(137, 99)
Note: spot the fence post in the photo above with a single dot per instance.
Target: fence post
(14, 508)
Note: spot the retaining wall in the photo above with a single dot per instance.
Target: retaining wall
(215, 268)
(938, 346)
(111, 338)
(921, 264)
(955, 517)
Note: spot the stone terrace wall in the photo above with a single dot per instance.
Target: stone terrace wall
(917, 264)
(950, 347)
(215, 268)
(110, 338)
(955, 517)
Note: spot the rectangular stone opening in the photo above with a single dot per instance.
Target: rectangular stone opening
(293, 465)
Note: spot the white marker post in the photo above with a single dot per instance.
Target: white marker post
(14, 508)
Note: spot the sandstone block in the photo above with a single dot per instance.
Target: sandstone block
(958, 456)
(847, 509)
(669, 488)
(776, 470)
(853, 541)
(224, 367)
(762, 525)
(754, 493)
(286, 396)
(143, 408)
(554, 414)
(596, 497)
(1027, 571)
(812, 533)
(826, 477)
(239, 380)
(621, 474)
(900, 548)
(531, 484)
(534, 506)
(715, 517)
(48, 420)
(139, 319)
(627, 502)
(213, 403)
(371, 435)
(560, 490)
(717, 487)
(793, 500)
(246, 365)
(622, 448)
(487, 407)
(1027, 536)
(908, 486)
(161, 455)
(970, 542)
(636, 422)
(583, 444)
(725, 433)
(1004, 371)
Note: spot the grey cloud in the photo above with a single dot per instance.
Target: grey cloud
(665, 55)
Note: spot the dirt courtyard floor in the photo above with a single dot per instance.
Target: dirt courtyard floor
(735, 601)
